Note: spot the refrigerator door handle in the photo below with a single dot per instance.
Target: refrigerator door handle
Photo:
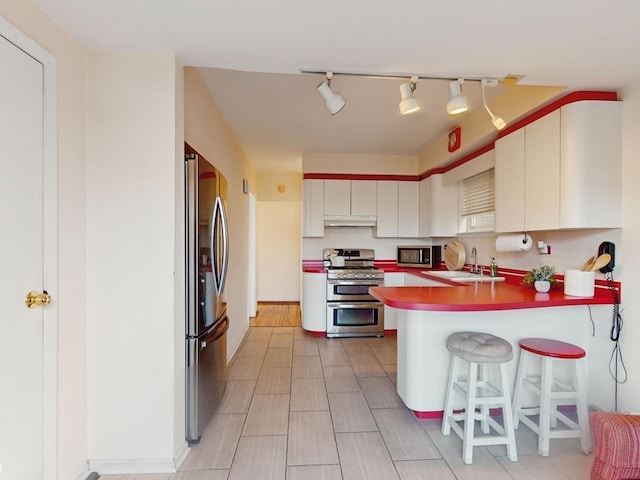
(214, 335)
(219, 265)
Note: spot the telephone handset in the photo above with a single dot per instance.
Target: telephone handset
(610, 248)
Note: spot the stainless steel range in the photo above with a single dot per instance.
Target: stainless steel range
(351, 310)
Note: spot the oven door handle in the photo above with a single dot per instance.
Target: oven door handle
(358, 305)
(371, 283)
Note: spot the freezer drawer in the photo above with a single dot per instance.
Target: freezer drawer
(205, 378)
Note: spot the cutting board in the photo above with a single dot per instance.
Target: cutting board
(454, 255)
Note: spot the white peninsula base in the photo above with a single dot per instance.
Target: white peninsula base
(423, 359)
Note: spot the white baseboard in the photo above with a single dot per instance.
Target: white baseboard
(136, 466)
(182, 454)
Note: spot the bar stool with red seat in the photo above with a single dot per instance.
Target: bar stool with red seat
(552, 393)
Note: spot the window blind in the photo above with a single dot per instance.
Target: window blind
(478, 193)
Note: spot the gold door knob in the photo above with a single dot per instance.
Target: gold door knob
(37, 299)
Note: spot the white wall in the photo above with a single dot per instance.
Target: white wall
(207, 132)
(72, 263)
(359, 163)
(131, 250)
(628, 248)
(278, 235)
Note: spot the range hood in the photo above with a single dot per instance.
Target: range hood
(350, 221)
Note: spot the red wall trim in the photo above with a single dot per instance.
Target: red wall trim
(572, 97)
(457, 163)
(353, 176)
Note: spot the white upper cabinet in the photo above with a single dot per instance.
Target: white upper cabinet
(337, 197)
(562, 171)
(350, 197)
(313, 208)
(398, 203)
(509, 174)
(387, 221)
(438, 216)
(542, 173)
(591, 169)
(408, 206)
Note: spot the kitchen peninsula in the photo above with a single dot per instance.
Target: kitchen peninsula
(428, 315)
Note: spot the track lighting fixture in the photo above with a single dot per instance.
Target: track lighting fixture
(457, 103)
(497, 120)
(333, 100)
(408, 104)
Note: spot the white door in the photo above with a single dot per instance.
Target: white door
(21, 264)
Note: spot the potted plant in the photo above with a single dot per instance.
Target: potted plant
(541, 277)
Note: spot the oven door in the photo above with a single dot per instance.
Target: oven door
(355, 319)
(353, 291)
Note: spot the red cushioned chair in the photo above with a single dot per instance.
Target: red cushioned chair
(616, 449)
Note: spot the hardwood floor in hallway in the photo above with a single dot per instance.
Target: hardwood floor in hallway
(286, 314)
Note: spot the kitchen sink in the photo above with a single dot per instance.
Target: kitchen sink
(462, 276)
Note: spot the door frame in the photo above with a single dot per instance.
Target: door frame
(50, 240)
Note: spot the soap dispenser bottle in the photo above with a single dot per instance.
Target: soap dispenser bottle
(493, 268)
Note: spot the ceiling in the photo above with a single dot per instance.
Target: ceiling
(250, 54)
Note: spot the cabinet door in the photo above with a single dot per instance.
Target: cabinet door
(391, 314)
(509, 175)
(337, 197)
(387, 217)
(542, 173)
(444, 208)
(364, 197)
(591, 165)
(313, 208)
(424, 210)
(408, 205)
(314, 302)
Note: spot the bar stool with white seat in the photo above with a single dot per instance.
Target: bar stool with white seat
(550, 393)
(479, 350)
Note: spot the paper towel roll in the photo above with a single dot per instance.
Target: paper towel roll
(514, 243)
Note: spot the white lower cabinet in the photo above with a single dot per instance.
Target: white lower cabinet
(392, 279)
(314, 302)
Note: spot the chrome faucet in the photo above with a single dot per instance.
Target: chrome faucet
(474, 255)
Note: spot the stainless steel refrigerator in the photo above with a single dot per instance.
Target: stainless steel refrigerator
(207, 259)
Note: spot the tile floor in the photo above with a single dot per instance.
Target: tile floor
(304, 408)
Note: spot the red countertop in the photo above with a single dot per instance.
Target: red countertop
(460, 297)
(481, 296)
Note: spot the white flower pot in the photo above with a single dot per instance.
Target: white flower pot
(542, 286)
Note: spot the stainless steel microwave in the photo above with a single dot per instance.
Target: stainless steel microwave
(419, 256)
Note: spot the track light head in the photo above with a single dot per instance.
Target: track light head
(497, 120)
(457, 103)
(332, 100)
(408, 104)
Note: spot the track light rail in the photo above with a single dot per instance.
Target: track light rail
(420, 76)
